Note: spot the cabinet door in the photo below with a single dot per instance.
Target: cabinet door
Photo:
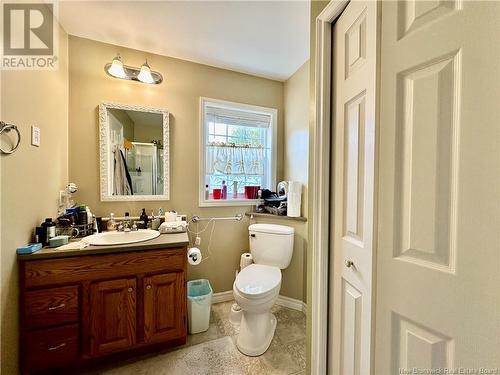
(113, 315)
(164, 307)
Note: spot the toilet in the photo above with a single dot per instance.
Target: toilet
(257, 286)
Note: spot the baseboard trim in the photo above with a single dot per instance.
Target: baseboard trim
(291, 303)
(222, 296)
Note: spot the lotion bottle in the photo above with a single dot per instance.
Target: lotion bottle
(224, 190)
(111, 222)
(207, 193)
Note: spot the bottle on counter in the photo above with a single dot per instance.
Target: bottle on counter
(111, 222)
(48, 231)
(224, 190)
(235, 189)
(90, 216)
(207, 193)
(144, 218)
(83, 217)
(259, 205)
(155, 221)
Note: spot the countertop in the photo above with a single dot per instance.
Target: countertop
(163, 241)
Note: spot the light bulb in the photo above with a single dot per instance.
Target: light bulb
(145, 74)
(116, 68)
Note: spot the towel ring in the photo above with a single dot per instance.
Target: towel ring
(5, 128)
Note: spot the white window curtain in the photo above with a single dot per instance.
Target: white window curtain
(243, 156)
(234, 159)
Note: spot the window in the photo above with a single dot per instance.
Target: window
(238, 147)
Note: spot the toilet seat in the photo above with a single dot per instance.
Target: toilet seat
(258, 281)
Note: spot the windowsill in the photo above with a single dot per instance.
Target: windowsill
(278, 217)
(228, 202)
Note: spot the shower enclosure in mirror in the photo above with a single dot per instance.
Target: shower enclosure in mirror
(134, 146)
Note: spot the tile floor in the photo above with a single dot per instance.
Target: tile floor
(214, 351)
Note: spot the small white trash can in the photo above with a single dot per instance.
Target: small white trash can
(199, 303)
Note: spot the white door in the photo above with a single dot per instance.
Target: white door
(438, 243)
(353, 170)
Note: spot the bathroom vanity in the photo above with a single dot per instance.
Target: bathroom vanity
(80, 305)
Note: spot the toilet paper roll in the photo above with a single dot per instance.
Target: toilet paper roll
(194, 256)
(246, 260)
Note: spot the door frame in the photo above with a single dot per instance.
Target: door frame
(321, 187)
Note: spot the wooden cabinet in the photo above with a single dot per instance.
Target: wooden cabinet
(52, 306)
(83, 307)
(164, 318)
(51, 347)
(112, 315)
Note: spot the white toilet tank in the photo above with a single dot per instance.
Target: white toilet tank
(271, 245)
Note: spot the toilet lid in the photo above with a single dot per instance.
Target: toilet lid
(257, 279)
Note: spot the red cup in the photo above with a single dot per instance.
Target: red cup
(252, 192)
(217, 193)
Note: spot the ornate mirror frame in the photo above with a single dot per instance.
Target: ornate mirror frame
(104, 154)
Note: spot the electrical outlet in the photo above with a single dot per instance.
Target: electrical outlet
(197, 241)
(35, 136)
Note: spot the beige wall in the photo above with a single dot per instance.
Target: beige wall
(296, 144)
(316, 8)
(184, 83)
(297, 130)
(31, 177)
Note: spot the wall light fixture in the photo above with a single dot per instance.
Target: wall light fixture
(143, 74)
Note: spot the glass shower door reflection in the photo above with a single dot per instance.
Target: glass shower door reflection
(142, 164)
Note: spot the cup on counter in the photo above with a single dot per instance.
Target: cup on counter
(217, 193)
(251, 192)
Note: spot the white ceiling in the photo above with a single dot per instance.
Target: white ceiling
(263, 38)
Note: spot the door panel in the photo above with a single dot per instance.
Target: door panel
(113, 315)
(164, 307)
(426, 161)
(438, 260)
(351, 329)
(353, 101)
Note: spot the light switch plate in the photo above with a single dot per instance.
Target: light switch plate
(35, 136)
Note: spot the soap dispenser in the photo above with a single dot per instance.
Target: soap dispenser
(111, 222)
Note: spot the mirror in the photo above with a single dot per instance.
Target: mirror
(134, 148)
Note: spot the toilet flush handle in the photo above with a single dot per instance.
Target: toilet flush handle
(252, 235)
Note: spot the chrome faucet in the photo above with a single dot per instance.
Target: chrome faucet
(124, 226)
(127, 225)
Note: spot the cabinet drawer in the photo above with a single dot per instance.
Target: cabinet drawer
(53, 347)
(53, 306)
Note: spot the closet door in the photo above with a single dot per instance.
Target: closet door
(439, 214)
(354, 127)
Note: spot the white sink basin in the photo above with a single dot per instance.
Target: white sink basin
(121, 238)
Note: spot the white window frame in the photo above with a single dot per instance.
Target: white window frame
(273, 131)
